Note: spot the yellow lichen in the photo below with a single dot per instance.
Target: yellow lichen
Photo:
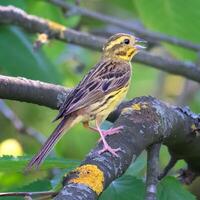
(59, 28)
(136, 106)
(139, 106)
(193, 127)
(91, 176)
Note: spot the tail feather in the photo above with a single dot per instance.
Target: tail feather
(50, 143)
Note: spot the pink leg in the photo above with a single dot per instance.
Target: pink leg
(110, 131)
(105, 144)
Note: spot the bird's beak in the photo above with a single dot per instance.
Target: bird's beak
(140, 44)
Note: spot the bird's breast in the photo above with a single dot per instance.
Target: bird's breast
(107, 105)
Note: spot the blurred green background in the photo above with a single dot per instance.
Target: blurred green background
(65, 64)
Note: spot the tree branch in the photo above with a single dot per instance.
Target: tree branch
(146, 121)
(153, 170)
(142, 127)
(13, 15)
(30, 91)
(168, 167)
(142, 32)
(43, 194)
(19, 125)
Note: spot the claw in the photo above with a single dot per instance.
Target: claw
(109, 149)
(103, 134)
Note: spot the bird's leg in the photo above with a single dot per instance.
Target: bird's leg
(110, 131)
(106, 146)
(86, 125)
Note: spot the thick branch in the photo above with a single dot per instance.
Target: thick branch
(148, 35)
(22, 89)
(12, 15)
(146, 121)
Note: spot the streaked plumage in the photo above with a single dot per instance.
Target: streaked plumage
(98, 94)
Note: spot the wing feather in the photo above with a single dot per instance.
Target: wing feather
(104, 78)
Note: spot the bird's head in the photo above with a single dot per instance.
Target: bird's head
(122, 46)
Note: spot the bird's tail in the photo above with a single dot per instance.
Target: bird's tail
(66, 124)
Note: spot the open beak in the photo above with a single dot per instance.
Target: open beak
(140, 44)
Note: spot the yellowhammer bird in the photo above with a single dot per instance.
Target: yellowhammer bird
(98, 94)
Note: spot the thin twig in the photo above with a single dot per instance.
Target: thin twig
(13, 15)
(189, 89)
(159, 85)
(19, 125)
(152, 171)
(169, 166)
(29, 194)
(148, 35)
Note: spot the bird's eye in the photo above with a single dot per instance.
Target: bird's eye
(126, 41)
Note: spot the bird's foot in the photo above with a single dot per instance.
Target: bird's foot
(109, 149)
(112, 131)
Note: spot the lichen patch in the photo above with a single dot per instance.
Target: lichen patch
(56, 27)
(139, 106)
(91, 176)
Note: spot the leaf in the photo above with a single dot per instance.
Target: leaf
(51, 12)
(172, 17)
(56, 182)
(124, 188)
(36, 186)
(19, 4)
(18, 164)
(170, 188)
(19, 59)
(137, 165)
(39, 185)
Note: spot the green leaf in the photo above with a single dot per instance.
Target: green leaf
(51, 12)
(56, 182)
(18, 164)
(19, 59)
(36, 186)
(171, 188)
(124, 188)
(39, 185)
(137, 166)
(19, 3)
(172, 17)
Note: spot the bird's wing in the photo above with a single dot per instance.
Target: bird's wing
(104, 78)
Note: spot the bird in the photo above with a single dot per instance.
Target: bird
(97, 94)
